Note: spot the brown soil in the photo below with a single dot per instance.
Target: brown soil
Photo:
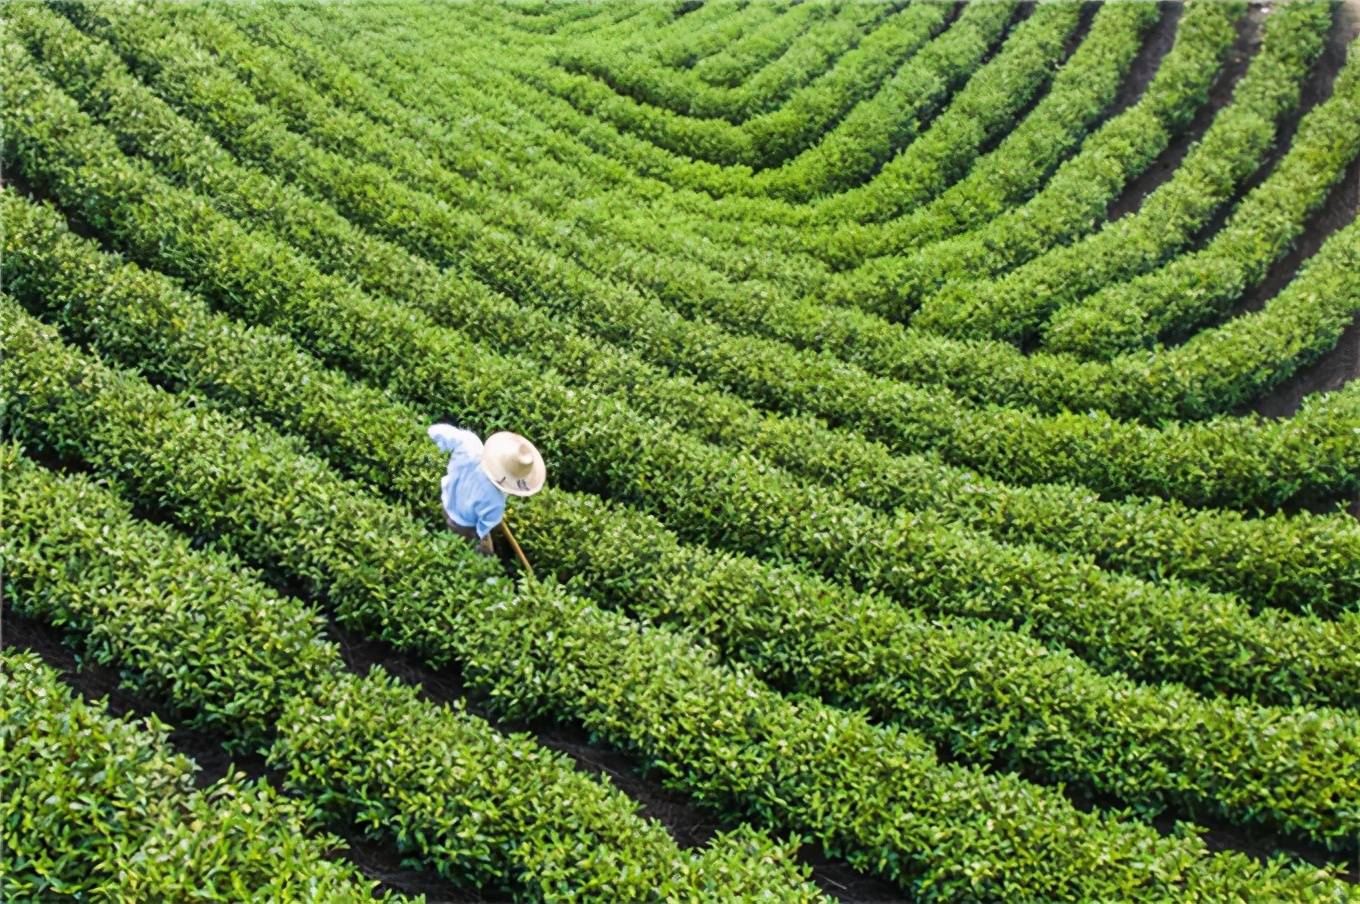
(1342, 364)
(688, 824)
(1088, 16)
(842, 883)
(1218, 836)
(1156, 44)
(1161, 169)
(94, 682)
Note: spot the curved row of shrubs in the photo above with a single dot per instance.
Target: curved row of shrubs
(714, 730)
(866, 138)
(1015, 307)
(1081, 89)
(1298, 562)
(96, 807)
(901, 665)
(734, 219)
(569, 18)
(312, 53)
(1216, 370)
(1111, 20)
(607, 447)
(1075, 200)
(943, 78)
(1252, 463)
(944, 145)
(1080, 96)
(1175, 300)
(819, 32)
(773, 137)
(1208, 378)
(1294, 562)
(744, 61)
(669, 40)
(194, 629)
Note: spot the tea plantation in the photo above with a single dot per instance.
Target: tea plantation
(951, 427)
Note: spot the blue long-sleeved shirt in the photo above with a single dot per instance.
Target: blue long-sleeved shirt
(469, 496)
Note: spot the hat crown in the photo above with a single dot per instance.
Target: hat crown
(513, 464)
(522, 462)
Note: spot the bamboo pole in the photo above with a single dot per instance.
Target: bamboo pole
(514, 545)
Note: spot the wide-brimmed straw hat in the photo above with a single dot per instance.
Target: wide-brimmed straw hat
(513, 464)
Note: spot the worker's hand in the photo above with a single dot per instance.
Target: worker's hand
(485, 546)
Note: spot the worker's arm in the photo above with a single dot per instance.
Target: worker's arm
(455, 440)
(488, 517)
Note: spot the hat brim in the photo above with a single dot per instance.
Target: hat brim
(502, 445)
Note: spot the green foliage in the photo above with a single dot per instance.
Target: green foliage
(796, 631)
(783, 46)
(1216, 370)
(779, 753)
(74, 556)
(99, 808)
(983, 371)
(1297, 562)
(800, 546)
(1081, 90)
(867, 139)
(140, 600)
(1174, 300)
(1115, 458)
(1014, 307)
(715, 730)
(1076, 198)
(689, 92)
(543, 835)
(996, 92)
(609, 447)
(676, 42)
(770, 138)
(1213, 378)
(609, 456)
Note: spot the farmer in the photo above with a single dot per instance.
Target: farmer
(480, 475)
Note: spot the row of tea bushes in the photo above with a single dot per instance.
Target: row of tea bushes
(1177, 299)
(613, 447)
(1117, 459)
(228, 654)
(1015, 307)
(1297, 562)
(1195, 382)
(101, 808)
(792, 628)
(715, 731)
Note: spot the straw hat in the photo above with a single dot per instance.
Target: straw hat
(513, 464)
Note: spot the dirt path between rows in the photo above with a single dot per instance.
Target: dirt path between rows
(1342, 364)
(689, 825)
(1156, 45)
(377, 861)
(1220, 94)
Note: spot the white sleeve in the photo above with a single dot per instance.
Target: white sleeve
(455, 440)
